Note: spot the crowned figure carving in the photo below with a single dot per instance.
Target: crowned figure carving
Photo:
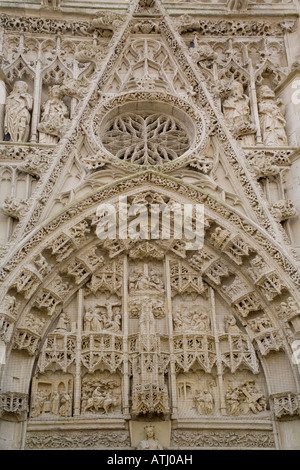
(149, 443)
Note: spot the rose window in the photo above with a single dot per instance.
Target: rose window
(146, 138)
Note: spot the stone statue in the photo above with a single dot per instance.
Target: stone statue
(17, 113)
(237, 5)
(63, 321)
(92, 321)
(236, 109)
(150, 443)
(204, 402)
(271, 119)
(55, 399)
(231, 325)
(66, 405)
(55, 118)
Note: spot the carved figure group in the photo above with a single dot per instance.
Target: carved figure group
(18, 113)
(101, 401)
(55, 117)
(245, 399)
(55, 403)
(191, 319)
(140, 281)
(99, 396)
(204, 402)
(99, 318)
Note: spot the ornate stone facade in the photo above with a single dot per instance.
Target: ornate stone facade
(114, 122)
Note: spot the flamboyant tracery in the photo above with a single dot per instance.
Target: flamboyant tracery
(163, 344)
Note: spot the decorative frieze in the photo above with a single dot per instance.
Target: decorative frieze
(100, 439)
(222, 439)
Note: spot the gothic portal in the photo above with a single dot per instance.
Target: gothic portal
(141, 339)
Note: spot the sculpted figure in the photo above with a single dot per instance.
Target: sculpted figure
(233, 400)
(92, 321)
(55, 399)
(150, 443)
(66, 405)
(231, 325)
(17, 113)
(204, 402)
(55, 117)
(237, 5)
(37, 405)
(236, 109)
(63, 322)
(271, 119)
(245, 399)
(255, 400)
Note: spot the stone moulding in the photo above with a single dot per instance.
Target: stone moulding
(107, 21)
(222, 439)
(158, 180)
(82, 439)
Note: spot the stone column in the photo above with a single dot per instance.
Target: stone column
(3, 95)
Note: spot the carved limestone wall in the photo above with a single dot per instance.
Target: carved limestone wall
(115, 327)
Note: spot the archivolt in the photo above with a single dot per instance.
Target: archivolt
(232, 262)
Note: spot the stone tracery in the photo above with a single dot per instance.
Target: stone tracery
(150, 329)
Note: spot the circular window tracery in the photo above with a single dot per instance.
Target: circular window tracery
(146, 138)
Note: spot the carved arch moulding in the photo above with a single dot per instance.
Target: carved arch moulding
(228, 310)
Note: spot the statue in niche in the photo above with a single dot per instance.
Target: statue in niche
(141, 281)
(147, 321)
(191, 319)
(204, 402)
(236, 109)
(271, 118)
(231, 325)
(55, 117)
(237, 5)
(17, 113)
(51, 3)
(150, 443)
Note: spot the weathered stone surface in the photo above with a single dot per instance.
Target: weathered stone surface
(126, 322)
